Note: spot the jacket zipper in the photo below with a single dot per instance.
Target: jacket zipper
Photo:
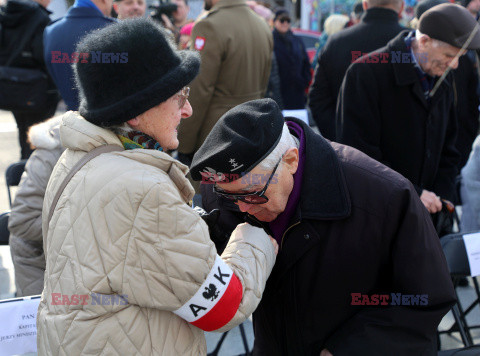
(283, 236)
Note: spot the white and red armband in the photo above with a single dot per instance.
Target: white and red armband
(216, 301)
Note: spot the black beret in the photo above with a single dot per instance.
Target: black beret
(239, 141)
(450, 23)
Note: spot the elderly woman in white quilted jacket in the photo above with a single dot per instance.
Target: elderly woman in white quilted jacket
(25, 222)
(131, 269)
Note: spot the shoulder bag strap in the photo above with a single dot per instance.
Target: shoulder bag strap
(85, 159)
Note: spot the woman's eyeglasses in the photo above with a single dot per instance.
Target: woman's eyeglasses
(285, 19)
(249, 198)
(183, 96)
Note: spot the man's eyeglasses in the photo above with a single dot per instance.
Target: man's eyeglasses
(285, 19)
(183, 96)
(249, 198)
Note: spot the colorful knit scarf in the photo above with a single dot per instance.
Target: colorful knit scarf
(137, 139)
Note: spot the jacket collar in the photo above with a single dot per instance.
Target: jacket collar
(78, 134)
(324, 194)
(405, 73)
(227, 3)
(84, 12)
(377, 14)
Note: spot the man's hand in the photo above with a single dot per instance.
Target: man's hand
(167, 23)
(431, 201)
(325, 352)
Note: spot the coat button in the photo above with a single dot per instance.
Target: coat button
(306, 237)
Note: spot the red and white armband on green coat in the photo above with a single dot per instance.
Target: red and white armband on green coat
(216, 301)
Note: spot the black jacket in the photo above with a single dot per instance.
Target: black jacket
(382, 111)
(15, 19)
(359, 228)
(466, 102)
(377, 27)
(293, 68)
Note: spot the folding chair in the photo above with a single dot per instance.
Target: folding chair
(4, 233)
(467, 351)
(222, 339)
(13, 174)
(457, 259)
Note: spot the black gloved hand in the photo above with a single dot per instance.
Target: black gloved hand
(217, 234)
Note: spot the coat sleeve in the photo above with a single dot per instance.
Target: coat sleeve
(320, 99)
(25, 221)
(203, 87)
(172, 265)
(358, 119)
(444, 184)
(417, 267)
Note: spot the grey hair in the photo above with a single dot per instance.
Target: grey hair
(286, 142)
(121, 129)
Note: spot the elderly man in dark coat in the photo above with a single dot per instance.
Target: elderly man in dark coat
(292, 60)
(360, 270)
(378, 25)
(394, 107)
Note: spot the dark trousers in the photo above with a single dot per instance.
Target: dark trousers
(26, 119)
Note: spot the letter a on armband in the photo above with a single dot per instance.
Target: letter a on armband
(216, 301)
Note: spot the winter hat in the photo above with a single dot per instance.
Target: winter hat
(132, 66)
(452, 24)
(424, 5)
(279, 12)
(242, 138)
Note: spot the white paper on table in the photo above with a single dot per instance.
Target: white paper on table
(299, 114)
(472, 245)
(18, 330)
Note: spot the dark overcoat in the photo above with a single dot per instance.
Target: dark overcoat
(293, 68)
(377, 27)
(359, 228)
(383, 112)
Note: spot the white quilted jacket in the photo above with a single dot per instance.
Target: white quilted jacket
(124, 251)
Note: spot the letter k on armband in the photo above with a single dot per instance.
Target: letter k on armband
(216, 301)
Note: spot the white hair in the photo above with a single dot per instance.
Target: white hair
(435, 43)
(121, 129)
(286, 142)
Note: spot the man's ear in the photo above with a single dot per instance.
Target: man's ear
(365, 5)
(290, 158)
(115, 7)
(425, 41)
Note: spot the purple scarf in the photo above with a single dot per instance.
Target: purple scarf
(280, 224)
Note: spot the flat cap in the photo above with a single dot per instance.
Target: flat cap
(452, 24)
(425, 5)
(239, 141)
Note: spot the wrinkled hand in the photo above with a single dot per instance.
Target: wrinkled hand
(431, 201)
(275, 244)
(325, 352)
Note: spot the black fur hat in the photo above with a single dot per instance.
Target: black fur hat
(132, 66)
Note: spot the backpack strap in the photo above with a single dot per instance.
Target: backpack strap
(84, 160)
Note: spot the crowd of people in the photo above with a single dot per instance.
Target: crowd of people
(327, 233)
